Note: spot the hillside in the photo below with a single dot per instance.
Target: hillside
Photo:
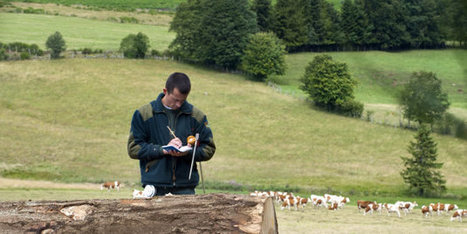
(68, 121)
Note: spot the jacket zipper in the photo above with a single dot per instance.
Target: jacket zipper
(174, 160)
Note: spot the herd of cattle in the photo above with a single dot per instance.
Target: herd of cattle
(334, 202)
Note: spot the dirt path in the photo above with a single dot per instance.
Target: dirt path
(16, 183)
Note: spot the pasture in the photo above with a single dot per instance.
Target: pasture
(78, 33)
(119, 5)
(69, 121)
(143, 17)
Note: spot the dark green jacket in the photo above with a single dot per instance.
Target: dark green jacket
(149, 133)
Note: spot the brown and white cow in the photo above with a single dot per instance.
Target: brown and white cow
(363, 204)
(458, 214)
(111, 185)
(427, 210)
(449, 207)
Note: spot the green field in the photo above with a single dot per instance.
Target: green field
(68, 120)
(78, 33)
(116, 4)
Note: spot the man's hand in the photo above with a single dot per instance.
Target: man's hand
(176, 142)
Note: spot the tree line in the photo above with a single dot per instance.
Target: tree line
(315, 25)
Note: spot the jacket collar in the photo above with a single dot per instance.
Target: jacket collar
(157, 105)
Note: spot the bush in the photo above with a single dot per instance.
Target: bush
(86, 51)
(126, 19)
(328, 83)
(56, 44)
(422, 98)
(3, 54)
(461, 130)
(24, 55)
(449, 124)
(156, 53)
(351, 108)
(31, 10)
(135, 46)
(264, 55)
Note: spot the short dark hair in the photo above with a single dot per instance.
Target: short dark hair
(180, 81)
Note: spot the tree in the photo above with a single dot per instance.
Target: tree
(187, 25)
(217, 33)
(56, 44)
(421, 170)
(423, 24)
(328, 83)
(422, 99)
(290, 23)
(263, 10)
(388, 24)
(264, 55)
(135, 46)
(355, 24)
(455, 20)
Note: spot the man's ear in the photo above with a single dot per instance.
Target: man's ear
(165, 91)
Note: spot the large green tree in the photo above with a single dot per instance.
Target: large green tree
(290, 24)
(187, 25)
(263, 10)
(56, 44)
(355, 25)
(213, 32)
(328, 82)
(422, 98)
(455, 20)
(422, 23)
(388, 21)
(263, 56)
(421, 171)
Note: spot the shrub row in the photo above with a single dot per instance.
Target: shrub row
(19, 50)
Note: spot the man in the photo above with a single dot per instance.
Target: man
(163, 171)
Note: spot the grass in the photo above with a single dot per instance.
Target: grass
(78, 33)
(381, 74)
(116, 4)
(143, 17)
(68, 121)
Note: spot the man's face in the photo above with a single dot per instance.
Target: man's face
(175, 99)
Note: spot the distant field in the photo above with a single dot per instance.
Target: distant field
(380, 74)
(78, 33)
(68, 120)
(115, 4)
(142, 17)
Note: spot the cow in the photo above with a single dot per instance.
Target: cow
(363, 204)
(111, 185)
(427, 210)
(373, 207)
(392, 208)
(438, 207)
(319, 201)
(449, 207)
(458, 214)
(290, 201)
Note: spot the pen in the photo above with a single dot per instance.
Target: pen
(171, 132)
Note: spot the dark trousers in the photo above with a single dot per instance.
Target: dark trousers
(160, 191)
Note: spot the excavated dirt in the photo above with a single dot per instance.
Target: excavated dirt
(210, 213)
